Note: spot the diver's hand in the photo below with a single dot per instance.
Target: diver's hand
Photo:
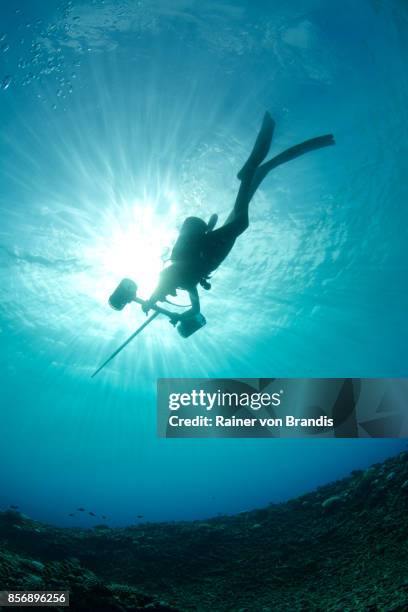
(146, 306)
(174, 319)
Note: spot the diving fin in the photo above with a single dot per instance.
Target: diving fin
(304, 147)
(261, 147)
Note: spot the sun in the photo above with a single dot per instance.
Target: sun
(135, 242)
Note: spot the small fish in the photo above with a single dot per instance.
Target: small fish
(139, 516)
(103, 516)
(14, 507)
(91, 513)
(81, 509)
(71, 514)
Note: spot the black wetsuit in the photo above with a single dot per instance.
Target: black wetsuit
(206, 252)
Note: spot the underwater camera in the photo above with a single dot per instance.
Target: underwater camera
(125, 293)
(189, 326)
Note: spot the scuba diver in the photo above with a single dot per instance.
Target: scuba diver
(200, 249)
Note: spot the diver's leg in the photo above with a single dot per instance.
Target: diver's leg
(238, 217)
(304, 147)
(237, 221)
(252, 180)
(239, 214)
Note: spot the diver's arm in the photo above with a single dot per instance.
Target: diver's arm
(155, 297)
(195, 301)
(195, 305)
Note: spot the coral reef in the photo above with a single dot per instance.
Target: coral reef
(343, 547)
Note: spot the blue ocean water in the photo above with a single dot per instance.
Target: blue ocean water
(118, 120)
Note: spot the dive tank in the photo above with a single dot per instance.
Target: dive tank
(189, 326)
(124, 293)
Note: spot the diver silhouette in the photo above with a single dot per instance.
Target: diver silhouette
(200, 249)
